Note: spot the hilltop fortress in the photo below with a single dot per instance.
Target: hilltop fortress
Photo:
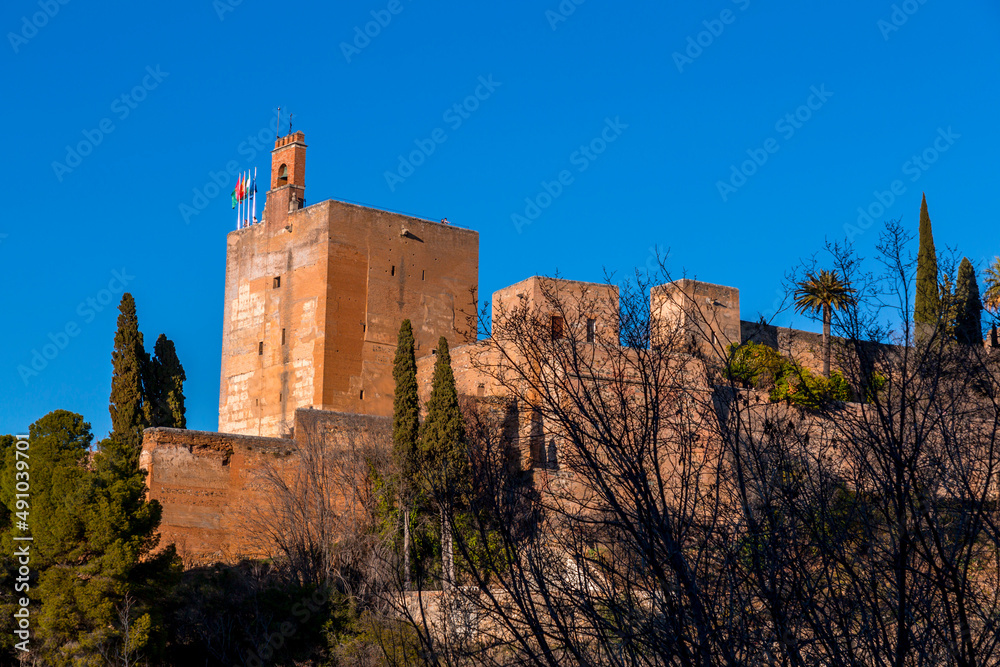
(313, 301)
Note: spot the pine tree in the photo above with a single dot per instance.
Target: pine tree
(405, 429)
(443, 452)
(928, 304)
(130, 366)
(164, 387)
(968, 306)
(94, 534)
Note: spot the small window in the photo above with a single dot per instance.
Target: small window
(481, 389)
(283, 175)
(591, 329)
(393, 271)
(260, 347)
(557, 327)
(422, 274)
(277, 282)
(714, 338)
(282, 336)
(362, 395)
(279, 397)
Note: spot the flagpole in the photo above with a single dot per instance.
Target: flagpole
(239, 200)
(254, 194)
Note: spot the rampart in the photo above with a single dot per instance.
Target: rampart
(206, 481)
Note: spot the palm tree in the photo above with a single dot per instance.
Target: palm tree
(823, 292)
(991, 297)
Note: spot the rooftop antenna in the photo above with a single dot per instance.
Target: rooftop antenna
(277, 126)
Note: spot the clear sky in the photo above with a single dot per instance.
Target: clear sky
(118, 113)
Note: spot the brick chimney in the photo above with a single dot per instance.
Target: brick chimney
(288, 179)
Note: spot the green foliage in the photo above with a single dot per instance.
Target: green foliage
(373, 640)
(93, 533)
(758, 366)
(928, 303)
(821, 292)
(968, 306)
(800, 386)
(129, 363)
(405, 407)
(875, 384)
(754, 365)
(991, 296)
(164, 387)
(442, 443)
(59, 445)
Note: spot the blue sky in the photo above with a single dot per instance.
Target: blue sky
(163, 95)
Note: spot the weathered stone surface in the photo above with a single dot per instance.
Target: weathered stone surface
(205, 481)
(315, 295)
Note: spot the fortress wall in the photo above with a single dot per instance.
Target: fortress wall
(805, 347)
(207, 483)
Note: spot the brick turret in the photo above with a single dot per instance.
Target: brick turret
(288, 179)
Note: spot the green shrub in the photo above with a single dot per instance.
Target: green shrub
(754, 365)
(800, 386)
(758, 366)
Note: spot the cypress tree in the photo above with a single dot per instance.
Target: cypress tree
(444, 460)
(129, 367)
(442, 435)
(164, 398)
(405, 405)
(928, 303)
(405, 428)
(968, 306)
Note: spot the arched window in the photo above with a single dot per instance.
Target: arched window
(283, 175)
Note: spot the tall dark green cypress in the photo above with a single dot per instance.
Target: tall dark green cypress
(928, 302)
(129, 366)
(443, 454)
(405, 429)
(164, 386)
(968, 306)
(405, 406)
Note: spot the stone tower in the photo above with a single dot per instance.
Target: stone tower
(315, 295)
